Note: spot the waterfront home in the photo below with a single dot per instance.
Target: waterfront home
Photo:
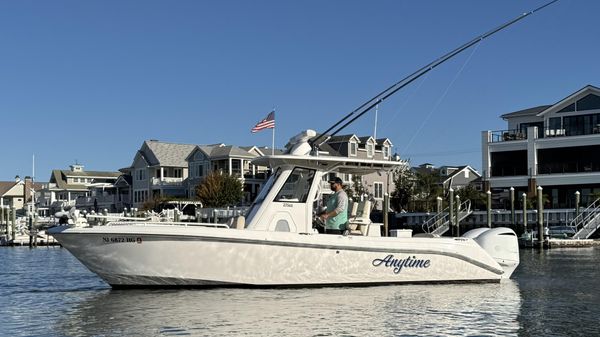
(553, 146)
(455, 177)
(16, 194)
(229, 159)
(158, 169)
(65, 186)
(376, 185)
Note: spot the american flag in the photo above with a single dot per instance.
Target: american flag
(267, 123)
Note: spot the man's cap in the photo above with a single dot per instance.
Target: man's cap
(336, 180)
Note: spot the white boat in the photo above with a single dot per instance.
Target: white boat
(276, 244)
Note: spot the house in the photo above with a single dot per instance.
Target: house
(65, 186)
(553, 146)
(158, 169)
(18, 194)
(455, 177)
(230, 159)
(367, 147)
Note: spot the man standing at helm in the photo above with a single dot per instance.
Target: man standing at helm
(336, 215)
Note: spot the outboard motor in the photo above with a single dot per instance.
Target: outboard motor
(501, 244)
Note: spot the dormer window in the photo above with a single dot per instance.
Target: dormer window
(386, 152)
(353, 148)
(370, 149)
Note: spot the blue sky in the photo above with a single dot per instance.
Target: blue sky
(91, 80)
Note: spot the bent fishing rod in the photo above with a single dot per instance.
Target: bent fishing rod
(380, 97)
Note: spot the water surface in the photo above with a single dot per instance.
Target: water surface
(47, 292)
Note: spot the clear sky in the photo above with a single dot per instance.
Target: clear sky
(91, 80)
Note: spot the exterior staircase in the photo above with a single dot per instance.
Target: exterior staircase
(440, 223)
(587, 222)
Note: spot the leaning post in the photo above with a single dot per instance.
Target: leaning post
(540, 218)
(489, 208)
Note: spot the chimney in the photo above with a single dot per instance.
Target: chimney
(27, 189)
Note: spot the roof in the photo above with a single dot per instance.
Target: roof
(5, 186)
(342, 138)
(102, 174)
(526, 112)
(166, 154)
(61, 183)
(230, 151)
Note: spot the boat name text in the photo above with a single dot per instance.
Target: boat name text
(409, 262)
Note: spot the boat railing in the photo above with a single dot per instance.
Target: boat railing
(147, 222)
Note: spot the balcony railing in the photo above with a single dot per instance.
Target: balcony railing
(507, 135)
(167, 181)
(568, 167)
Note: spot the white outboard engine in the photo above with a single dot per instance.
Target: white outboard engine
(501, 244)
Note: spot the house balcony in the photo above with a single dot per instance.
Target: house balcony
(167, 182)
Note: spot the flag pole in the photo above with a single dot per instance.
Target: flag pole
(273, 139)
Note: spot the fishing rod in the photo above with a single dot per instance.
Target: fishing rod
(380, 97)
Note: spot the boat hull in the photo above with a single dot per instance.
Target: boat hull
(133, 256)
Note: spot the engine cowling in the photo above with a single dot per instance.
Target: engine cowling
(501, 244)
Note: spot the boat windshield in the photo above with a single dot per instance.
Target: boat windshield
(262, 195)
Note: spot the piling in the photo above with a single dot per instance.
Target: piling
(577, 200)
(489, 208)
(14, 223)
(386, 207)
(451, 209)
(457, 226)
(176, 215)
(512, 207)
(2, 217)
(540, 218)
(524, 199)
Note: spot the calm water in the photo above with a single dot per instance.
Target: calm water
(46, 292)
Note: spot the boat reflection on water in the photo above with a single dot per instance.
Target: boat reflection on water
(455, 309)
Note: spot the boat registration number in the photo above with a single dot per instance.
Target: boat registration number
(121, 239)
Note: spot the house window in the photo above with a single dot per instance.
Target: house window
(177, 173)
(141, 174)
(386, 152)
(370, 150)
(378, 190)
(466, 174)
(353, 148)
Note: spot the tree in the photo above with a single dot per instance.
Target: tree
(219, 190)
(428, 189)
(404, 185)
(477, 198)
(358, 189)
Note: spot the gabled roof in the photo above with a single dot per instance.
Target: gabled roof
(459, 170)
(573, 97)
(382, 141)
(166, 154)
(343, 138)
(60, 180)
(99, 174)
(6, 186)
(366, 139)
(543, 109)
(230, 151)
(526, 112)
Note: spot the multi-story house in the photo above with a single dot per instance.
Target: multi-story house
(159, 169)
(65, 186)
(16, 194)
(552, 146)
(352, 146)
(229, 159)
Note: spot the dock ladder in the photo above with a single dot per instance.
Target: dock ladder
(440, 223)
(587, 222)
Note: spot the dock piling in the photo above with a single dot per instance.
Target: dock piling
(540, 218)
